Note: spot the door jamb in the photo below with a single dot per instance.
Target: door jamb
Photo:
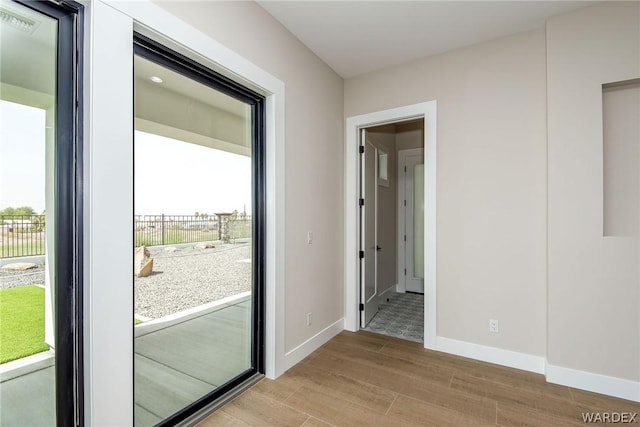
(426, 110)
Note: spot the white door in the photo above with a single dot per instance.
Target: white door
(368, 235)
(414, 224)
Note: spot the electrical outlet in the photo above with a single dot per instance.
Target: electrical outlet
(493, 326)
(309, 237)
(309, 319)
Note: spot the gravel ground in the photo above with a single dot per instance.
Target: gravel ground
(13, 279)
(183, 279)
(190, 277)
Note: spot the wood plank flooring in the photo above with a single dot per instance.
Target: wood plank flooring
(374, 380)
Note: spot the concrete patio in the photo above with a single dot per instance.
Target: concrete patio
(178, 359)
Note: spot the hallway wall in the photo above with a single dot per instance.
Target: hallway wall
(491, 166)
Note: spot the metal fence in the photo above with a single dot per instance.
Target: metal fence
(152, 230)
(21, 235)
(24, 235)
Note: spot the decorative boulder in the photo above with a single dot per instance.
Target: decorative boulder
(142, 262)
(205, 245)
(170, 249)
(19, 266)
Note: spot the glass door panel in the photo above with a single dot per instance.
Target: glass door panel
(194, 261)
(27, 281)
(38, 237)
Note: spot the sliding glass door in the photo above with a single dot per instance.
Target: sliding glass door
(40, 239)
(198, 235)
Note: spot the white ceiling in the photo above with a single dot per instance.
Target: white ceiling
(356, 37)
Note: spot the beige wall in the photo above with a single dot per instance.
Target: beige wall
(621, 140)
(492, 180)
(314, 155)
(593, 280)
(384, 137)
(491, 162)
(410, 135)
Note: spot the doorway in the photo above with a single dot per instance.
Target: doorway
(353, 241)
(392, 242)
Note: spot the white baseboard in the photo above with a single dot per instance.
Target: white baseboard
(291, 358)
(611, 386)
(499, 356)
(382, 296)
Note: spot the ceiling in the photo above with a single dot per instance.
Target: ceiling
(356, 37)
(27, 58)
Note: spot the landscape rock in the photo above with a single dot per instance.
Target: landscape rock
(170, 249)
(204, 245)
(142, 262)
(19, 266)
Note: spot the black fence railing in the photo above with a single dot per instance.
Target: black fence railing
(24, 235)
(153, 230)
(21, 235)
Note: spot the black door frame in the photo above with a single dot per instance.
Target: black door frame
(156, 52)
(68, 295)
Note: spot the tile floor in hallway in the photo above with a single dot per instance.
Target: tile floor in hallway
(401, 316)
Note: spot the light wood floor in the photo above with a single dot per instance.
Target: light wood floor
(368, 379)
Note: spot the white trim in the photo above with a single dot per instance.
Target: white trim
(382, 296)
(155, 22)
(499, 356)
(427, 111)
(293, 357)
(108, 199)
(611, 386)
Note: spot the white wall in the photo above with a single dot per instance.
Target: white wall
(491, 186)
(594, 292)
(314, 159)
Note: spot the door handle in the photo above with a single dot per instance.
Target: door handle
(378, 248)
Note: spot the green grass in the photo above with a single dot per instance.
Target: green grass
(21, 322)
(34, 247)
(172, 237)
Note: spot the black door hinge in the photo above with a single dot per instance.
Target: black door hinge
(361, 307)
(405, 271)
(361, 149)
(361, 202)
(361, 254)
(405, 237)
(405, 203)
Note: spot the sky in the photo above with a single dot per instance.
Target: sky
(171, 177)
(178, 178)
(22, 144)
